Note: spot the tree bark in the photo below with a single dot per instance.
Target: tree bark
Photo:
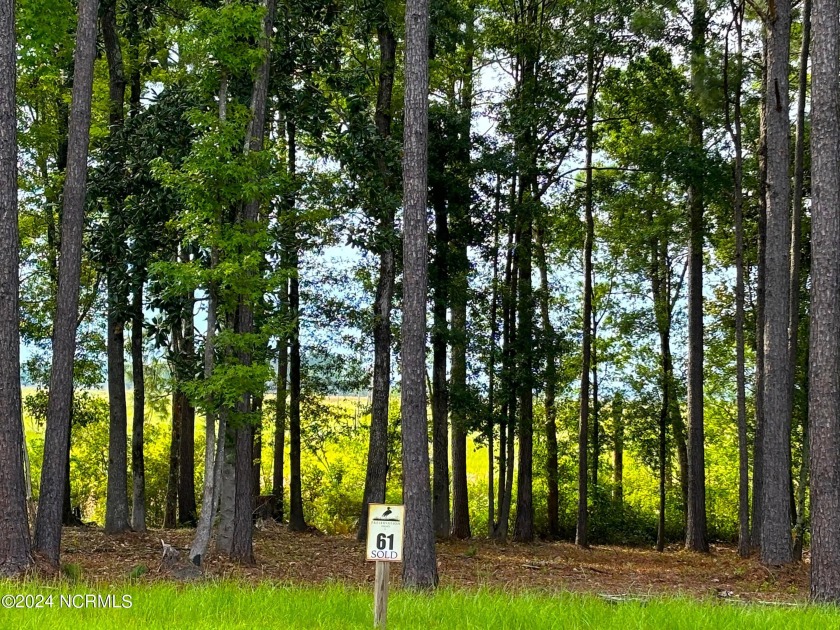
(227, 488)
(662, 315)
(491, 374)
(48, 523)
(824, 395)
(116, 503)
(53, 199)
(187, 509)
(440, 390)
(377, 465)
(581, 532)
(733, 126)
(758, 475)
(526, 151)
(618, 454)
(696, 537)
(795, 265)
(508, 415)
(170, 515)
(596, 428)
(297, 523)
(419, 566)
(775, 501)
(15, 553)
(551, 464)
(460, 267)
(214, 447)
(280, 414)
(524, 526)
(227, 491)
(138, 465)
(242, 545)
(824, 403)
(460, 498)
(242, 548)
(256, 461)
(212, 459)
(283, 342)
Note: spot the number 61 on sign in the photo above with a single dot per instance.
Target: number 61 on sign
(385, 533)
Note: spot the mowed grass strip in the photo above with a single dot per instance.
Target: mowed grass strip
(232, 605)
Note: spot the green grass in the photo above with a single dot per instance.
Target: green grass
(229, 605)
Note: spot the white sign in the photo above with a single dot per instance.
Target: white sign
(385, 532)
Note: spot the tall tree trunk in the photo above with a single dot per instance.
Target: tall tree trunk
(795, 264)
(15, 556)
(170, 514)
(510, 447)
(696, 537)
(419, 567)
(116, 503)
(663, 460)
(758, 469)
(596, 429)
(801, 492)
(460, 498)
(551, 464)
(48, 523)
(679, 429)
(661, 309)
(135, 83)
(824, 395)
(524, 526)
(734, 128)
(280, 412)
(138, 465)
(256, 462)
(187, 509)
(460, 267)
(440, 391)
(68, 517)
(775, 501)
(212, 459)
(377, 465)
(214, 446)
(618, 453)
(227, 490)
(491, 373)
(581, 533)
(212, 494)
(508, 412)
(242, 547)
(297, 522)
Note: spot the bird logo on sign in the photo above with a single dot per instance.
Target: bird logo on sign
(387, 515)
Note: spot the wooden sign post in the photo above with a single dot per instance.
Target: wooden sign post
(386, 524)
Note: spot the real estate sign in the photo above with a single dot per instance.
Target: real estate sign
(386, 523)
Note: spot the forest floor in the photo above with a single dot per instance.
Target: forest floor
(308, 559)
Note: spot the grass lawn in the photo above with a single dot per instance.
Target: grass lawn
(223, 605)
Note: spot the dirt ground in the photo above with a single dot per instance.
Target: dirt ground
(311, 558)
